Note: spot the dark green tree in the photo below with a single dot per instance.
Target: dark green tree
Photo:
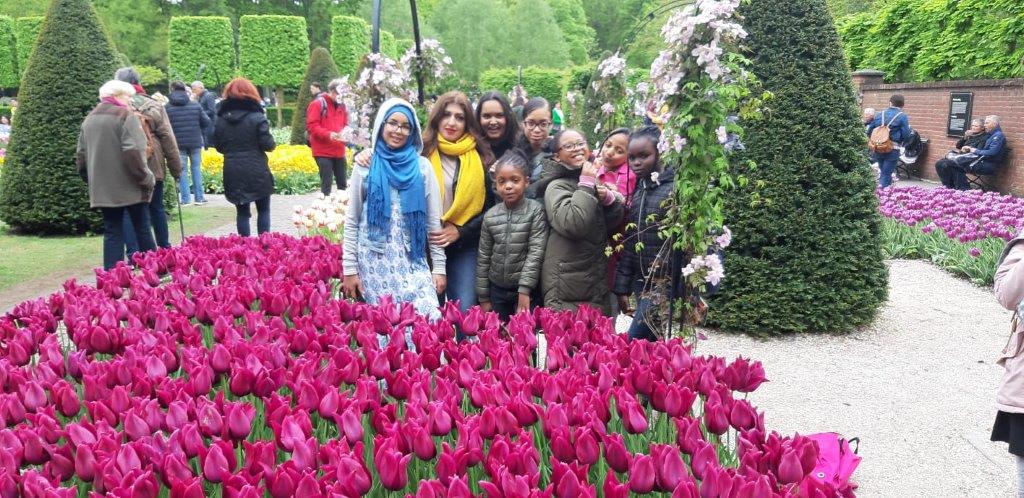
(40, 191)
(322, 69)
(572, 20)
(534, 36)
(805, 255)
(487, 45)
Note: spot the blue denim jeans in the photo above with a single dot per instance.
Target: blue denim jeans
(639, 328)
(157, 218)
(461, 270)
(191, 164)
(886, 167)
(114, 227)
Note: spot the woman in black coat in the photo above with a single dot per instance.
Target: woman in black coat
(242, 134)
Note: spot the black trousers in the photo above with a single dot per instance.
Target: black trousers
(243, 214)
(505, 301)
(331, 167)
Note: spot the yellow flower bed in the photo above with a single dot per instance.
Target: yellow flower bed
(285, 160)
(293, 167)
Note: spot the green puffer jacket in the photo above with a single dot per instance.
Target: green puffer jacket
(575, 264)
(511, 248)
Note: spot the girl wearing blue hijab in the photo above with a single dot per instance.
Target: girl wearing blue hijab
(392, 205)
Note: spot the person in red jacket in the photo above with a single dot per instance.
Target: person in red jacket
(326, 116)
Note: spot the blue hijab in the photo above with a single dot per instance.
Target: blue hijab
(398, 168)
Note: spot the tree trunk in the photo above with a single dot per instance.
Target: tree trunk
(279, 93)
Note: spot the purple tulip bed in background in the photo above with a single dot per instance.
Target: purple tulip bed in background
(227, 367)
(961, 231)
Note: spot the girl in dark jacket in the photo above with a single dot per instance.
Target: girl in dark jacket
(242, 134)
(512, 241)
(582, 214)
(636, 271)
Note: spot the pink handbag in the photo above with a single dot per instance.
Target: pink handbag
(836, 460)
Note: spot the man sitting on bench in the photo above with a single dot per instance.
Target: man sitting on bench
(975, 137)
(989, 156)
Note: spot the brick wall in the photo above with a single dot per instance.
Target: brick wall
(927, 105)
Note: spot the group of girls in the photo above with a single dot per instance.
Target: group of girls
(481, 208)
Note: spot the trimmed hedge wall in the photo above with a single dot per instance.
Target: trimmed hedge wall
(321, 68)
(273, 50)
(9, 74)
(193, 41)
(580, 76)
(26, 30)
(927, 40)
(350, 41)
(538, 81)
(287, 113)
(40, 190)
(806, 253)
(389, 45)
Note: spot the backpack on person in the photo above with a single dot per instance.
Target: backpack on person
(323, 114)
(880, 141)
(151, 145)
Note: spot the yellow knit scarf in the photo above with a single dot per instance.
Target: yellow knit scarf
(468, 200)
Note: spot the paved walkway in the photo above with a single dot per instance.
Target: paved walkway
(917, 387)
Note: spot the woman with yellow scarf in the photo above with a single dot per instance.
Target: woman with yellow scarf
(453, 142)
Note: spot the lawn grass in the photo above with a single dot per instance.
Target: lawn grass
(42, 262)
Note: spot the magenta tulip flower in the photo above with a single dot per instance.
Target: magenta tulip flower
(642, 474)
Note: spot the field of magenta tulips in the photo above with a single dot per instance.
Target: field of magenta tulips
(227, 367)
(961, 231)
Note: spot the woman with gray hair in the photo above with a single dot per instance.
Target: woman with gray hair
(111, 157)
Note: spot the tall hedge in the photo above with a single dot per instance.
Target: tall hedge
(538, 81)
(926, 40)
(350, 41)
(805, 255)
(206, 43)
(321, 68)
(40, 190)
(9, 74)
(26, 30)
(273, 50)
(389, 45)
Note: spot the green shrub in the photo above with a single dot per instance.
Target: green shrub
(287, 115)
(926, 40)
(201, 48)
(350, 41)
(579, 76)
(805, 255)
(26, 30)
(9, 74)
(40, 190)
(152, 75)
(404, 44)
(389, 45)
(538, 82)
(321, 68)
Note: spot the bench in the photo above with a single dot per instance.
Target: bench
(904, 167)
(987, 183)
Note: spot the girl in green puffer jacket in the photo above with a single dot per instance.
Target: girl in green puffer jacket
(513, 236)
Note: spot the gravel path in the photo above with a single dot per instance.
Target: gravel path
(280, 213)
(917, 387)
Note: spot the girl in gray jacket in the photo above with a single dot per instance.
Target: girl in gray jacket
(512, 241)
